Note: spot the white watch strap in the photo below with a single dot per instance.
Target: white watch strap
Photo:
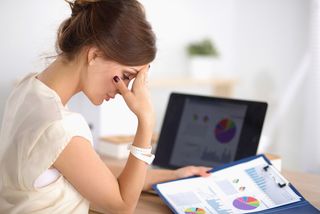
(145, 151)
(143, 154)
(145, 158)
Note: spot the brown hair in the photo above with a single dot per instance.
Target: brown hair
(117, 27)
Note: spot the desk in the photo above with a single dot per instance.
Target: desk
(307, 184)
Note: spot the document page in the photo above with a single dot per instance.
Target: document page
(241, 188)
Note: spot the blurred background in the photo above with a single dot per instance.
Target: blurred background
(266, 50)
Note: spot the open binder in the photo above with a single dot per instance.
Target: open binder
(250, 185)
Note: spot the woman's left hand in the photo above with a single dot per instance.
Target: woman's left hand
(192, 171)
(155, 176)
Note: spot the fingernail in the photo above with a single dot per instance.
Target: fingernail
(116, 78)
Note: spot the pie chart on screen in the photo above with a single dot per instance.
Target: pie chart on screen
(225, 130)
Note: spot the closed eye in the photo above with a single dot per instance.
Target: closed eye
(125, 77)
(128, 76)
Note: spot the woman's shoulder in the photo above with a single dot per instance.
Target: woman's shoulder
(76, 125)
(25, 77)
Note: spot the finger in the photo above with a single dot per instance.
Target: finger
(146, 73)
(207, 172)
(121, 86)
(207, 169)
(140, 80)
(143, 75)
(203, 171)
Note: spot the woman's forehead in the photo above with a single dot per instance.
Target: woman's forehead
(135, 69)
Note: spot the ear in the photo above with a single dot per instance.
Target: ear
(92, 54)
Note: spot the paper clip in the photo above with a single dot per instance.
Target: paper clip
(275, 173)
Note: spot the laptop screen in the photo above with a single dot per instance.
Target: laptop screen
(208, 131)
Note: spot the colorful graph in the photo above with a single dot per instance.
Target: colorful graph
(246, 203)
(194, 210)
(225, 130)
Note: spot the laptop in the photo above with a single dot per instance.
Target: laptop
(208, 131)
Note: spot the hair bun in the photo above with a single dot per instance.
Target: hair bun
(78, 6)
(81, 1)
(118, 28)
(85, 1)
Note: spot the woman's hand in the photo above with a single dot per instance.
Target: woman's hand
(155, 176)
(138, 99)
(191, 171)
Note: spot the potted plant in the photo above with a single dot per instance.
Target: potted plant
(203, 58)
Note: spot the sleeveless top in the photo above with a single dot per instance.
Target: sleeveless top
(36, 127)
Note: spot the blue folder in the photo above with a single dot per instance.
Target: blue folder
(301, 207)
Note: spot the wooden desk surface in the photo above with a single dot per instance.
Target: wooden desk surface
(307, 184)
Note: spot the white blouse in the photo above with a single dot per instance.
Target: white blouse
(36, 127)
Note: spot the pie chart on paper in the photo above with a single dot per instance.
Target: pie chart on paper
(194, 210)
(225, 130)
(246, 203)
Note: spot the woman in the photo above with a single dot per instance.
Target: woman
(48, 164)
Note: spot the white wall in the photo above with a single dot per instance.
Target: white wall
(260, 41)
(271, 40)
(178, 22)
(27, 32)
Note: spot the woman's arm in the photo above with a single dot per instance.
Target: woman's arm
(161, 175)
(84, 169)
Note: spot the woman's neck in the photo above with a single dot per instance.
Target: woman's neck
(62, 77)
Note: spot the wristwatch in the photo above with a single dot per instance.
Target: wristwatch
(143, 154)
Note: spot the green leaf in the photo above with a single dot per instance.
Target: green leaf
(202, 48)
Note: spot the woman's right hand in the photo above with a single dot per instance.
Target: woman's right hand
(138, 98)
